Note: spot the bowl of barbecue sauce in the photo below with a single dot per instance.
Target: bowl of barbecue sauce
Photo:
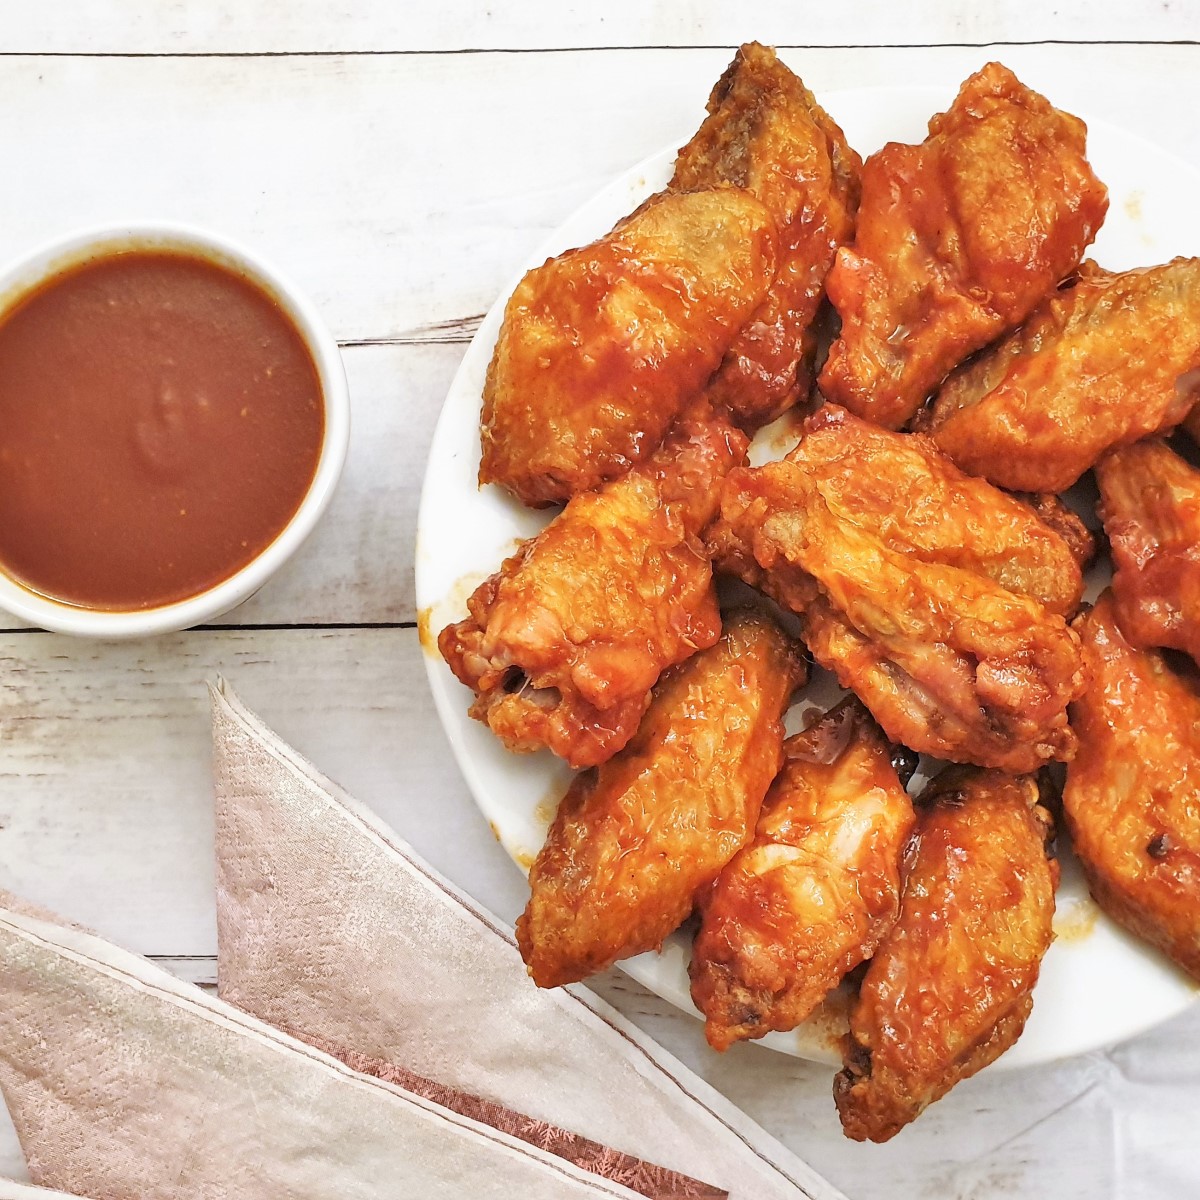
(174, 418)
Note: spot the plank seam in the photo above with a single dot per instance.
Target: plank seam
(138, 54)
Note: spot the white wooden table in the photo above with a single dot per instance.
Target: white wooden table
(400, 160)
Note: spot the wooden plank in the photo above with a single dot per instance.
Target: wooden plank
(403, 191)
(200, 26)
(105, 788)
(357, 567)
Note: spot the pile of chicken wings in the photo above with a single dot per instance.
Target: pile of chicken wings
(954, 364)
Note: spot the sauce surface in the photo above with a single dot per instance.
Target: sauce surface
(160, 422)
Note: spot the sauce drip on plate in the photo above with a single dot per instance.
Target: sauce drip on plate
(160, 423)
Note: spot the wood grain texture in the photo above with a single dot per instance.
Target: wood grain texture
(403, 192)
(201, 26)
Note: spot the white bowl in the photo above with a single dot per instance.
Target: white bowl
(27, 273)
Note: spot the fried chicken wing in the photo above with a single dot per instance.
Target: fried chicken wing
(1104, 363)
(934, 596)
(603, 347)
(1132, 797)
(1150, 502)
(810, 897)
(636, 840)
(765, 132)
(957, 240)
(563, 644)
(950, 987)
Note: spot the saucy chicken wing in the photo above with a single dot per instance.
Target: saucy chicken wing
(563, 644)
(1132, 797)
(1105, 362)
(950, 987)
(1150, 502)
(602, 347)
(933, 595)
(766, 133)
(810, 897)
(635, 841)
(957, 240)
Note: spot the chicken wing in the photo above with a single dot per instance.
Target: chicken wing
(1102, 363)
(957, 240)
(563, 644)
(602, 347)
(810, 897)
(1150, 502)
(934, 596)
(950, 987)
(636, 840)
(1132, 797)
(765, 132)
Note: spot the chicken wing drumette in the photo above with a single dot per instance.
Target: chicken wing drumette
(1102, 363)
(1132, 798)
(1150, 502)
(602, 347)
(957, 240)
(563, 644)
(933, 595)
(635, 841)
(810, 897)
(765, 132)
(950, 987)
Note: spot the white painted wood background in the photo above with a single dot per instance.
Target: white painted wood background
(399, 160)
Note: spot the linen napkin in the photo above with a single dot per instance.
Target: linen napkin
(126, 1084)
(331, 927)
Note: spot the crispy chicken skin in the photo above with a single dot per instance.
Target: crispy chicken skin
(1101, 364)
(957, 240)
(934, 596)
(810, 897)
(950, 987)
(563, 644)
(635, 841)
(765, 132)
(1150, 503)
(1132, 797)
(603, 347)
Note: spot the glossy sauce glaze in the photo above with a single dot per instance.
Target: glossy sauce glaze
(161, 419)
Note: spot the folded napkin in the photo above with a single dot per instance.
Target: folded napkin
(126, 1084)
(332, 928)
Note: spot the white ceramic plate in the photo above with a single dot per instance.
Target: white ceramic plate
(1097, 984)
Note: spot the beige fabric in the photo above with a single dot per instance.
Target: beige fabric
(125, 1084)
(331, 927)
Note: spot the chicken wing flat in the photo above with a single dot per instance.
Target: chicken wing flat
(957, 240)
(634, 841)
(950, 987)
(602, 347)
(933, 595)
(1101, 364)
(810, 897)
(1132, 797)
(765, 132)
(563, 644)
(1150, 503)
